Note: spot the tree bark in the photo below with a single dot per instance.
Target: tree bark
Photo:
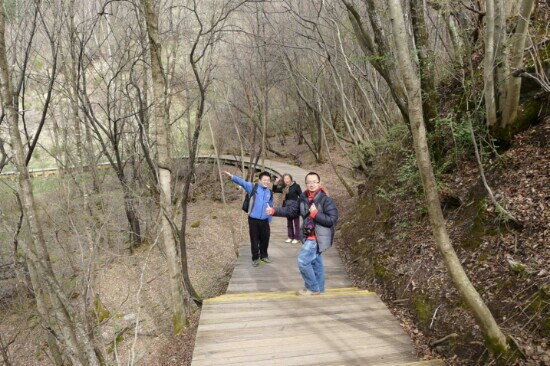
(495, 339)
(501, 57)
(376, 50)
(517, 45)
(42, 276)
(426, 62)
(180, 301)
(456, 38)
(78, 344)
(488, 62)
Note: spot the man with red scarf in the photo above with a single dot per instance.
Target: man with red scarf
(319, 215)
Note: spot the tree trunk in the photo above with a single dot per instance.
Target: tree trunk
(333, 165)
(179, 294)
(426, 61)
(495, 339)
(456, 37)
(501, 57)
(129, 208)
(265, 110)
(193, 148)
(218, 164)
(517, 45)
(131, 214)
(319, 137)
(71, 77)
(488, 62)
(90, 158)
(80, 348)
(377, 50)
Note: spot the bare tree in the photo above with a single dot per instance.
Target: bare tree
(180, 299)
(109, 115)
(72, 333)
(376, 48)
(426, 63)
(495, 339)
(503, 57)
(517, 46)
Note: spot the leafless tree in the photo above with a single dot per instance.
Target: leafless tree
(495, 339)
(56, 312)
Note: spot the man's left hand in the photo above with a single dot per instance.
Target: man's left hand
(312, 208)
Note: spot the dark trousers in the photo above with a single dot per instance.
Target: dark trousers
(259, 237)
(293, 228)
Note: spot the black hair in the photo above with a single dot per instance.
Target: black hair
(264, 174)
(313, 173)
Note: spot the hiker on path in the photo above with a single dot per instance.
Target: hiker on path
(319, 215)
(291, 191)
(258, 220)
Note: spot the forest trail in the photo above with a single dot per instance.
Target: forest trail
(260, 320)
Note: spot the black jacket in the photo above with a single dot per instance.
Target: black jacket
(294, 191)
(325, 220)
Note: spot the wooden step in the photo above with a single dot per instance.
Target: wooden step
(261, 321)
(435, 362)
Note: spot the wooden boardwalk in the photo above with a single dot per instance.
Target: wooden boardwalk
(260, 320)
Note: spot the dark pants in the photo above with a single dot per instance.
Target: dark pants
(293, 228)
(259, 237)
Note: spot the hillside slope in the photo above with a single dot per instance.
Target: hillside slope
(386, 241)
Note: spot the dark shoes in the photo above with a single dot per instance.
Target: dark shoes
(256, 262)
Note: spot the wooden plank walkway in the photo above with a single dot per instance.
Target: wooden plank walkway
(260, 320)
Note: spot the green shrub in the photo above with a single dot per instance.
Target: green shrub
(361, 153)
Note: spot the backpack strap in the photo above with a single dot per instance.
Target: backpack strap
(254, 189)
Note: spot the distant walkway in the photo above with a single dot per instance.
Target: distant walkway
(260, 320)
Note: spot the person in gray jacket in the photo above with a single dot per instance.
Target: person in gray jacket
(319, 215)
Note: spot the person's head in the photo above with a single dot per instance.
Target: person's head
(265, 179)
(313, 181)
(287, 179)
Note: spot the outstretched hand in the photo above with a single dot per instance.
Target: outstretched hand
(277, 180)
(227, 174)
(269, 210)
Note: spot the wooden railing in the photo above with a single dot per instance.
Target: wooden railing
(225, 160)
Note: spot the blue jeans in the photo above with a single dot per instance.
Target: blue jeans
(310, 263)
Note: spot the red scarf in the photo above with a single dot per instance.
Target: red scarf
(310, 197)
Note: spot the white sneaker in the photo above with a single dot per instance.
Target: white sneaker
(306, 292)
(288, 240)
(295, 241)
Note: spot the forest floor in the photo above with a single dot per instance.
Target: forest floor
(396, 254)
(130, 288)
(386, 243)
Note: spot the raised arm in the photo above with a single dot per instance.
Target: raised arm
(276, 187)
(243, 183)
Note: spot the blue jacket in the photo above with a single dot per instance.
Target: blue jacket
(259, 201)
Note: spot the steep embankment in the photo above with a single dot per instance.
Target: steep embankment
(387, 244)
